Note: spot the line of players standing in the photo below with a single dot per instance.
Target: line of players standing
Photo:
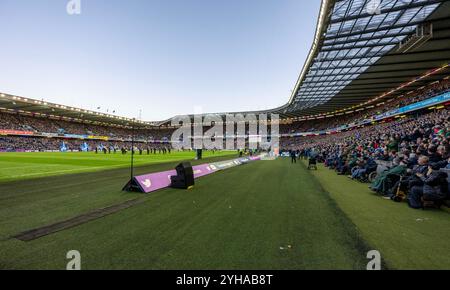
(124, 150)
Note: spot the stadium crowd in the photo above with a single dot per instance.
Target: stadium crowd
(409, 157)
(41, 144)
(424, 93)
(19, 122)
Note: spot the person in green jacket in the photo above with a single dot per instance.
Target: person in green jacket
(393, 144)
(384, 181)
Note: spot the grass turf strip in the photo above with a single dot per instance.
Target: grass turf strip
(264, 215)
(406, 238)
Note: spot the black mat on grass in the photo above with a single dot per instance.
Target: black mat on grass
(76, 221)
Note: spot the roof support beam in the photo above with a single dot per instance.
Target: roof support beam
(384, 11)
(410, 24)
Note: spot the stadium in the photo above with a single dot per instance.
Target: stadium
(356, 176)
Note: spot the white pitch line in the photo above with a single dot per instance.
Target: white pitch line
(21, 166)
(60, 171)
(77, 170)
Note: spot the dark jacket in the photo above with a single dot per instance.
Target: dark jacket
(434, 157)
(441, 164)
(412, 162)
(435, 186)
(422, 169)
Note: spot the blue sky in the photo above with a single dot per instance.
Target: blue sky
(164, 57)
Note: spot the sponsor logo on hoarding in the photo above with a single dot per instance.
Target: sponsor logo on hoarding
(15, 132)
(98, 137)
(50, 134)
(147, 183)
(75, 136)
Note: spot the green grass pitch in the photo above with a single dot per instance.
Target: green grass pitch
(263, 215)
(17, 166)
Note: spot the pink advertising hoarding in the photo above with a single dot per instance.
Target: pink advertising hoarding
(155, 181)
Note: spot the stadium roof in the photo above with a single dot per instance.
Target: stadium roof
(40, 108)
(362, 51)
